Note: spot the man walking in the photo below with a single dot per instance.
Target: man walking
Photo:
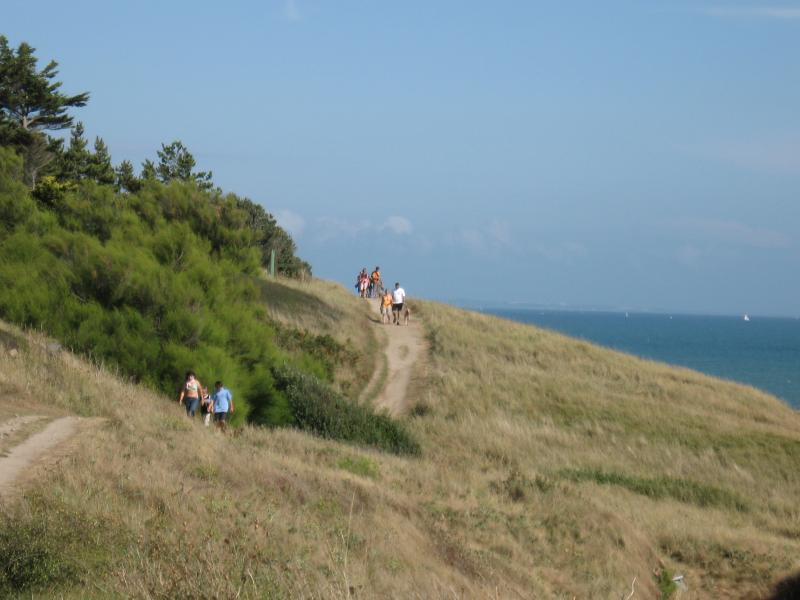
(223, 404)
(398, 299)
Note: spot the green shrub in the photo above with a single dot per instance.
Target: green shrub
(666, 586)
(317, 408)
(153, 284)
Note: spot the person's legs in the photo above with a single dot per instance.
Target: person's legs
(220, 419)
(191, 406)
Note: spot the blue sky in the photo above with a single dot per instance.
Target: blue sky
(618, 154)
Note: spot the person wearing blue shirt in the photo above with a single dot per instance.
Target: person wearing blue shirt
(223, 403)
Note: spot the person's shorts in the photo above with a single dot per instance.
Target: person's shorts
(220, 417)
(397, 307)
(384, 310)
(191, 405)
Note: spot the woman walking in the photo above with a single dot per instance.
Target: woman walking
(190, 394)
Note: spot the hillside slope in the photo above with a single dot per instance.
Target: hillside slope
(549, 468)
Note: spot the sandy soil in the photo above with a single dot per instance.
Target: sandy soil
(404, 346)
(22, 457)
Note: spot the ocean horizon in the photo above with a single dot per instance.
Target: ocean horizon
(763, 352)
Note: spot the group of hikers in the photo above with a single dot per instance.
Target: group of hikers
(392, 302)
(194, 396)
(369, 285)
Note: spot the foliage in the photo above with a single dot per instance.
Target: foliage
(31, 99)
(329, 352)
(666, 586)
(317, 408)
(269, 236)
(153, 283)
(175, 162)
(31, 103)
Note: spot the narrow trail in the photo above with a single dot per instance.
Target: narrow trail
(404, 346)
(21, 458)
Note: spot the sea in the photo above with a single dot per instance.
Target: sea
(763, 352)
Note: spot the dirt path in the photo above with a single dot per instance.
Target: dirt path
(404, 347)
(23, 456)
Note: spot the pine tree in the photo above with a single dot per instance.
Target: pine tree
(100, 167)
(75, 162)
(126, 178)
(176, 162)
(31, 104)
(148, 170)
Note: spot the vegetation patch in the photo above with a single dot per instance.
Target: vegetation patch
(666, 586)
(314, 406)
(44, 546)
(328, 352)
(359, 465)
(683, 490)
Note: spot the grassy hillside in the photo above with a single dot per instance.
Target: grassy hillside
(549, 468)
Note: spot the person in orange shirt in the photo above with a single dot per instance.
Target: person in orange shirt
(386, 307)
(375, 283)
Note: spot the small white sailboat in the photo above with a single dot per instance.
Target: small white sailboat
(746, 317)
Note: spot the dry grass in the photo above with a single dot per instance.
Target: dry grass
(492, 509)
(325, 308)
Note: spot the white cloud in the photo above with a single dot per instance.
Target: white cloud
(291, 222)
(753, 12)
(328, 228)
(733, 232)
(291, 11)
(397, 225)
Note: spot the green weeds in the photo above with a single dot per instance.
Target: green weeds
(683, 490)
(359, 465)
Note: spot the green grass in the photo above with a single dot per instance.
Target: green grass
(665, 584)
(45, 545)
(359, 465)
(682, 490)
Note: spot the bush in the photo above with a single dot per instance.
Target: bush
(317, 408)
(153, 283)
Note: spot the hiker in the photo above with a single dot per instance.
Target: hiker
(222, 401)
(363, 282)
(206, 406)
(386, 306)
(359, 277)
(375, 283)
(398, 299)
(190, 394)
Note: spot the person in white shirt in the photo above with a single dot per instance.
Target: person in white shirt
(398, 299)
